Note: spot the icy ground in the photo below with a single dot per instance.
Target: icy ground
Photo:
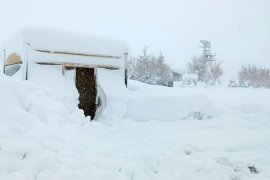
(154, 133)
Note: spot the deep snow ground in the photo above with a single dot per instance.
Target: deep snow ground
(153, 133)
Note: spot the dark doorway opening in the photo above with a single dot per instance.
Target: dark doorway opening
(86, 85)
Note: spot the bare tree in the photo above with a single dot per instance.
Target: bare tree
(198, 66)
(254, 76)
(208, 72)
(214, 72)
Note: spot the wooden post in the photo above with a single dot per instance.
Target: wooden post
(63, 69)
(4, 60)
(26, 75)
(26, 59)
(126, 68)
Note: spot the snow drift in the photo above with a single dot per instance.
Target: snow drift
(43, 135)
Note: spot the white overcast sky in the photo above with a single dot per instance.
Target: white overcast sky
(239, 29)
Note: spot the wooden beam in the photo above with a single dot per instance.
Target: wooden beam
(75, 65)
(79, 54)
(9, 64)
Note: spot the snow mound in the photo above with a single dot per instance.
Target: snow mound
(34, 101)
(162, 103)
(171, 108)
(43, 135)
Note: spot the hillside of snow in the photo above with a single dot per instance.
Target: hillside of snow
(147, 133)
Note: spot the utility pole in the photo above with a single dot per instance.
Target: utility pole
(207, 54)
(161, 55)
(208, 57)
(145, 51)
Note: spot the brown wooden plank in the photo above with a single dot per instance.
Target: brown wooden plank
(74, 65)
(79, 54)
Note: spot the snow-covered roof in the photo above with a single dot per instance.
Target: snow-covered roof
(53, 39)
(178, 70)
(190, 76)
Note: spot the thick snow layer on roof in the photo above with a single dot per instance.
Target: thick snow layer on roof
(178, 70)
(53, 39)
(190, 76)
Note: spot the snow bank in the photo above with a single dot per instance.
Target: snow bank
(31, 98)
(44, 136)
(171, 108)
(166, 104)
(31, 119)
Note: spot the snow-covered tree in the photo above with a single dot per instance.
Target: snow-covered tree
(208, 72)
(254, 76)
(198, 66)
(214, 72)
(149, 69)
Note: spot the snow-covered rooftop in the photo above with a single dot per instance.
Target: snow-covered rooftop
(178, 70)
(54, 39)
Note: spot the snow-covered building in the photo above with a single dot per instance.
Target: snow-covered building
(31, 52)
(177, 74)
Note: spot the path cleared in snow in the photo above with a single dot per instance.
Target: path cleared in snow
(152, 134)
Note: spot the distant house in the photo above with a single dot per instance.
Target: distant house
(177, 74)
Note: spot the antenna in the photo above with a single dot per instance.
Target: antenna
(145, 51)
(207, 54)
(161, 54)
